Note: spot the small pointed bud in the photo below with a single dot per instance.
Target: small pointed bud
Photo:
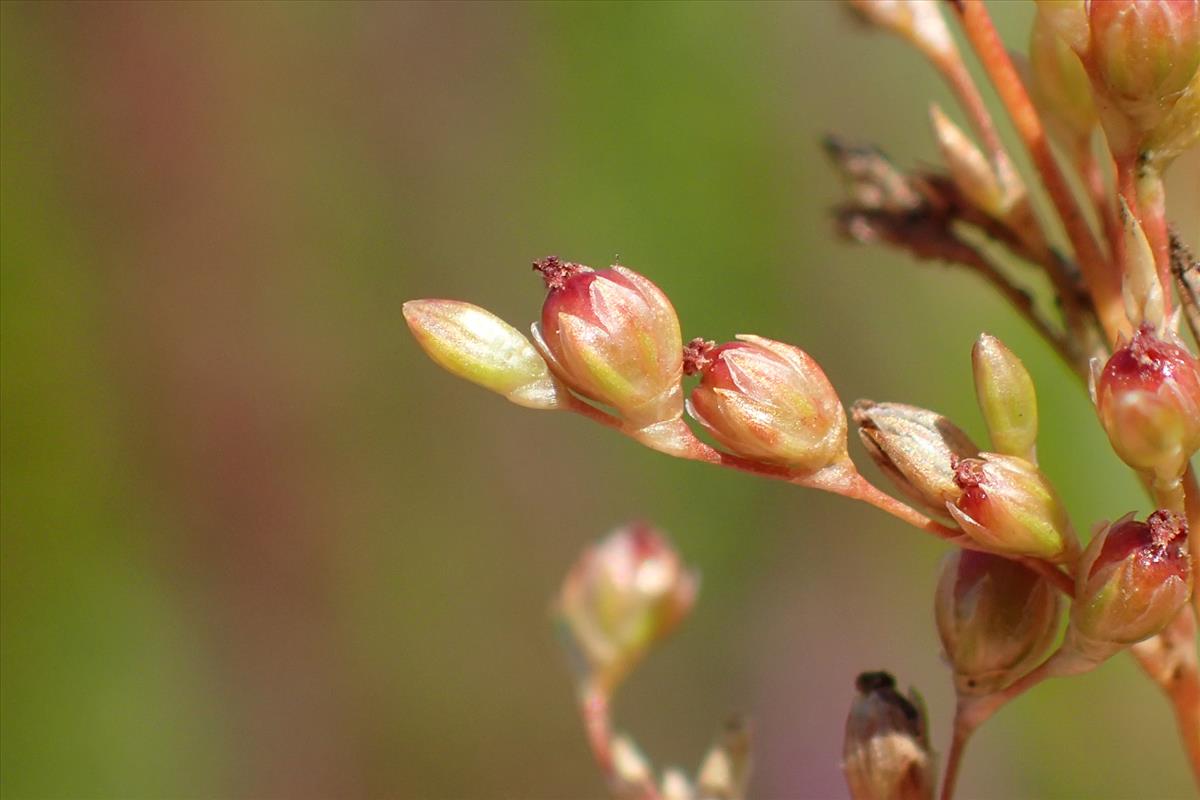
(624, 593)
(916, 448)
(1148, 400)
(1006, 397)
(769, 401)
(1133, 579)
(612, 336)
(1060, 86)
(475, 344)
(886, 754)
(918, 22)
(1008, 506)
(968, 166)
(630, 768)
(1143, 54)
(725, 772)
(996, 618)
(1141, 288)
(676, 786)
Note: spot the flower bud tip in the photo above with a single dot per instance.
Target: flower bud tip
(555, 272)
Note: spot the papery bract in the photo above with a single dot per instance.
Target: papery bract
(885, 754)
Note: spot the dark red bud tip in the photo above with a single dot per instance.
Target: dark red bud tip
(697, 355)
(1165, 527)
(968, 473)
(556, 272)
(868, 682)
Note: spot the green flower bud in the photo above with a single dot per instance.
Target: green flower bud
(996, 618)
(1060, 86)
(475, 344)
(1006, 397)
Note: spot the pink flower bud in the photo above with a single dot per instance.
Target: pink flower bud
(1008, 506)
(1148, 399)
(624, 593)
(996, 618)
(767, 401)
(885, 755)
(1133, 579)
(1142, 54)
(612, 336)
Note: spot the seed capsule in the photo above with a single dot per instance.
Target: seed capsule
(885, 755)
(1148, 399)
(768, 401)
(996, 618)
(1133, 579)
(612, 336)
(1008, 506)
(916, 448)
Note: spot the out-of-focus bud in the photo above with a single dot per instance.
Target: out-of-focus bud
(886, 751)
(1148, 399)
(1060, 86)
(1143, 54)
(917, 21)
(1008, 506)
(676, 786)
(1132, 580)
(1006, 397)
(872, 182)
(725, 771)
(612, 336)
(1178, 131)
(475, 344)
(996, 618)
(624, 593)
(631, 769)
(916, 448)
(767, 401)
(1067, 18)
(1141, 289)
(968, 166)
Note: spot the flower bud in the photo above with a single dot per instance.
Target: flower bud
(968, 166)
(995, 617)
(1133, 579)
(1148, 399)
(917, 21)
(886, 751)
(1006, 397)
(1060, 86)
(612, 336)
(1143, 54)
(475, 344)
(916, 448)
(624, 593)
(725, 771)
(1008, 506)
(1068, 19)
(767, 401)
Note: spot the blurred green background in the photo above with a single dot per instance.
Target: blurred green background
(256, 545)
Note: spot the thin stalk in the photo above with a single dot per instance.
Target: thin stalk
(1101, 281)
(1152, 212)
(958, 746)
(1092, 173)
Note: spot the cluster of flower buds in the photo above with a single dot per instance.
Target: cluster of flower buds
(885, 755)
(767, 401)
(1132, 580)
(1142, 57)
(624, 593)
(1148, 399)
(995, 617)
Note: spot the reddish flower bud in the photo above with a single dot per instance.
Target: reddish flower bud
(885, 755)
(768, 401)
(612, 336)
(916, 448)
(1008, 506)
(623, 594)
(996, 618)
(1132, 579)
(1148, 399)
